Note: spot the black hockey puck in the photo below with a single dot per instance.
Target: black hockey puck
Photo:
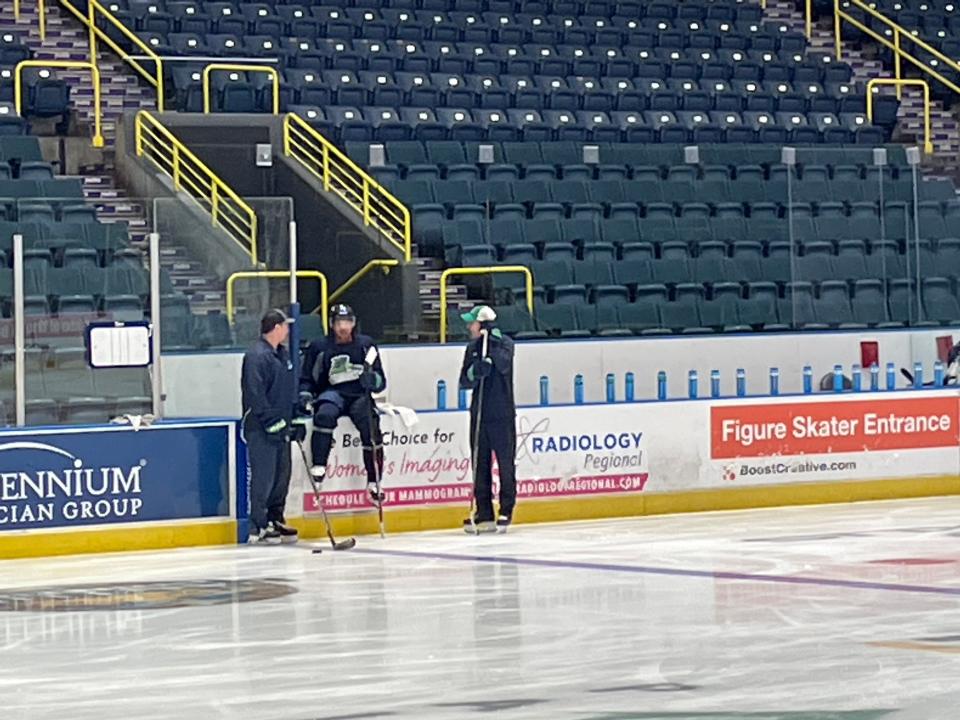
(317, 551)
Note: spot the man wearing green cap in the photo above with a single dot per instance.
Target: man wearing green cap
(488, 371)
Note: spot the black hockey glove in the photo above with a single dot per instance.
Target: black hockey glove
(369, 380)
(298, 430)
(277, 430)
(482, 368)
(305, 403)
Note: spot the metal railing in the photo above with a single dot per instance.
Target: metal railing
(96, 11)
(232, 67)
(383, 264)
(898, 35)
(349, 181)
(41, 12)
(927, 132)
(65, 65)
(489, 270)
(275, 274)
(189, 174)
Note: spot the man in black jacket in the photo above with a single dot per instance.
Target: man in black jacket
(340, 373)
(488, 370)
(267, 387)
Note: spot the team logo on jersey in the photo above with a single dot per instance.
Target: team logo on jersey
(343, 371)
(142, 595)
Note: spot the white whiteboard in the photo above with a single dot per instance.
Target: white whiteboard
(119, 344)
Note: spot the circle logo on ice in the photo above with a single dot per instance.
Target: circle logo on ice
(142, 595)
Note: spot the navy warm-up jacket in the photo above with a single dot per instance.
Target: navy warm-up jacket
(498, 402)
(267, 385)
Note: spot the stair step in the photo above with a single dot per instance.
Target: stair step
(453, 291)
(433, 308)
(104, 195)
(97, 182)
(61, 54)
(80, 91)
(191, 282)
(122, 205)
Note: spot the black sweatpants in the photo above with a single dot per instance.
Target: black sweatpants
(497, 437)
(269, 462)
(363, 413)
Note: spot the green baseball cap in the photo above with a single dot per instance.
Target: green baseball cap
(481, 313)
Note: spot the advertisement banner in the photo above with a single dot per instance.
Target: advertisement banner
(110, 476)
(590, 450)
(833, 427)
(833, 438)
(429, 463)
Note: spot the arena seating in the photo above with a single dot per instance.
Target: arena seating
(46, 94)
(639, 239)
(645, 242)
(605, 72)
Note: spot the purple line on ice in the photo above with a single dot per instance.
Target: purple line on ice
(676, 572)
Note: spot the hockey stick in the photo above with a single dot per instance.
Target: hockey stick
(371, 358)
(476, 441)
(342, 544)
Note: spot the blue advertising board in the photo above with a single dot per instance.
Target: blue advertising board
(113, 475)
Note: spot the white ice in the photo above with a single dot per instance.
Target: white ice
(831, 609)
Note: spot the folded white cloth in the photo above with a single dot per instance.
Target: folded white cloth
(407, 416)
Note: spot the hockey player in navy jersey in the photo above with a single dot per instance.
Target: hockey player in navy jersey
(488, 370)
(340, 373)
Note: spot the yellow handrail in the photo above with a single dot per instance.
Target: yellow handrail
(274, 76)
(227, 209)
(251, 274)
(385, 264)
(66, 65)
(899, 34)
(340, 175)
(89, 18)
(41, 11)
(927, 134)
(449, 272)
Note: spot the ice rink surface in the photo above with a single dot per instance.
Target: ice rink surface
(849, 612)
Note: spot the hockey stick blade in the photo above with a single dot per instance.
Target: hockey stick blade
(334, 543)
